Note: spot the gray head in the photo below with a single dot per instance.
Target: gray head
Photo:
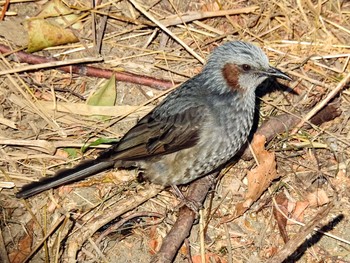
(242, 67)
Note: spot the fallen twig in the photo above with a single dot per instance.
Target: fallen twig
(196, 15)
(91, 71)
(172, 242)
(324, 102)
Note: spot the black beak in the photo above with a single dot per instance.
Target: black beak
(276, 73)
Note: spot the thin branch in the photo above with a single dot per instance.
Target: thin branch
(91, 71)
(323, 103)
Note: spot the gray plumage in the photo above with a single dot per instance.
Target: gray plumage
(194, 131)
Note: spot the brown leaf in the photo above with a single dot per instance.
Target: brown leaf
(318, 198)
(282, 203)
(260, 178)
(298, 213)
(154, 240)
(269, 252)
(23, 247)
(209, 257)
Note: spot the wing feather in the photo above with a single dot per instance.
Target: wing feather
(154, 135)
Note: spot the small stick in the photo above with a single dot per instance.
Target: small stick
(181, 229)
(83, 70)
(166, 30)
(51, 64)
(323, 103)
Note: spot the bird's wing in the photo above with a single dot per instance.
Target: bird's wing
(158, 136)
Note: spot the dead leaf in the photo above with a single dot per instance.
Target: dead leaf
(184, 250)
(260, 178)
(51, 27)
(269, 252)
(61, 14)
(300, 207)
(153, 241)
(209, 257)
(281, 219)
(318, 198)
(23, 247)
(42, 34)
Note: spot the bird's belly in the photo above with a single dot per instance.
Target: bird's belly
(185, 166)
(171, 169)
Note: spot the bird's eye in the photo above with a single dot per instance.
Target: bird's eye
(246, 67)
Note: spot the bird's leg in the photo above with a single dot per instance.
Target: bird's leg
(191, 204)
(212, 178)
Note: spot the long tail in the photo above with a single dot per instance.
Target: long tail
(79, 172)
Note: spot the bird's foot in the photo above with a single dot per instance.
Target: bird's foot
(191, 204)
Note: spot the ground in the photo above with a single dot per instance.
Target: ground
(45, 122)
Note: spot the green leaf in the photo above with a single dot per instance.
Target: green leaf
(72, 152)
(98, 142)
(105, 95)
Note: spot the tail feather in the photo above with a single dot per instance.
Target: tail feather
(65, 176)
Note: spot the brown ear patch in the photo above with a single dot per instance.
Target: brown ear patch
(231, 73)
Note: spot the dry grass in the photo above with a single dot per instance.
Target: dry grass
(43, 128)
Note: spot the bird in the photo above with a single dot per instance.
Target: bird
(193, 132)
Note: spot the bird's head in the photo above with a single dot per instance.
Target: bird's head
(239, 66)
